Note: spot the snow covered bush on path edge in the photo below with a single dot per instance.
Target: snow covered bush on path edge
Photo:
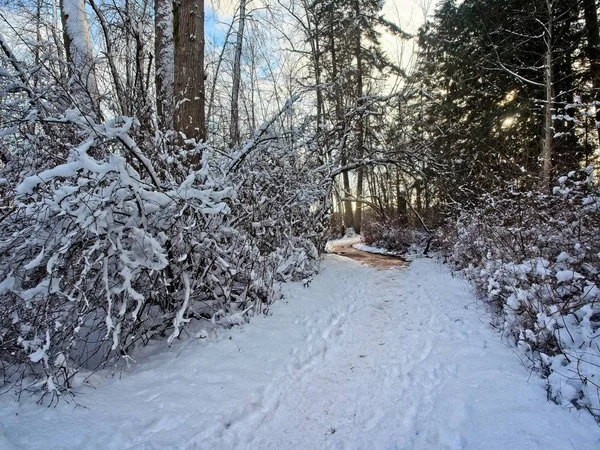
(536, 258)
(109, 249)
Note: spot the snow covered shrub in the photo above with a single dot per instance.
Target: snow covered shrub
(282, 197)
(114, 232)
(395, 235)
(536, 257)
(103, 249)
(96, 257)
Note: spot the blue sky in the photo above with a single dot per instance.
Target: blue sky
(216, 24)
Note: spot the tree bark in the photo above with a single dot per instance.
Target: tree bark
(188, 41)
(348, 215)
(549, 82)
(360, 126)
(316, 57)
(76, 32)
(400, 198)
(164, 62)
(234, 127)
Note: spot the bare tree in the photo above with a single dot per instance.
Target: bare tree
(111, 58)
(234, 129)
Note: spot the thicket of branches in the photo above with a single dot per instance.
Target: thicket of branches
(536, 257)
(114, 232)
(109, 249)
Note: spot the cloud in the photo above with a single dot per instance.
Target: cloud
(224, 8)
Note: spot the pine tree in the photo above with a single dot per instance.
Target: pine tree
(485, 64)
(353, 63)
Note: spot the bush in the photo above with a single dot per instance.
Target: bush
(536, 258)
(395, 235)
(108, 249)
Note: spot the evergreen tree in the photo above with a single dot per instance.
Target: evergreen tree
(354, 65)
(484, 64)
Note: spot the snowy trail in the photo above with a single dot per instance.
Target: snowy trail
(362, 359)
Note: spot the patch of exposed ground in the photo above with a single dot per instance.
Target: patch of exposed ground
(370, 259)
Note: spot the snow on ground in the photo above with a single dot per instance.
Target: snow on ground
(342, 242)
(376, 250)
(362, 359)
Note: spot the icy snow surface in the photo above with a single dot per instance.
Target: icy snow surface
(362, 359)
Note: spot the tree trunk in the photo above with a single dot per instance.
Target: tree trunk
(38, 37)
(360, 131)
(163, 60)
(320, 100)
(590, 13)
(234, 127)
(188, 40)
(59, 41)
(385, 189)
(419, 197)
(316, 57)
(348, 215)
(549, 81)
(79, 52)
(402, 208)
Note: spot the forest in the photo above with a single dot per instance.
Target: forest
(168, 163)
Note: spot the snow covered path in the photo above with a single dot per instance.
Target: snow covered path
(362, 359)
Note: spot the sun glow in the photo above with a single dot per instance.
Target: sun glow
(508, 122)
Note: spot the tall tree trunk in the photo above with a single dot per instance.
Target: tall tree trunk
(385, 192)
(348, 216)
(316, 57)
(188, 41)
(549, 82)
(312, 29)
(590, 13)
(360, 138)
(78, 47)
(126, 43)
(317, 63)
(164, 61)
(143, 107)
(339, 209)
(255, 91)
(234, 127)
